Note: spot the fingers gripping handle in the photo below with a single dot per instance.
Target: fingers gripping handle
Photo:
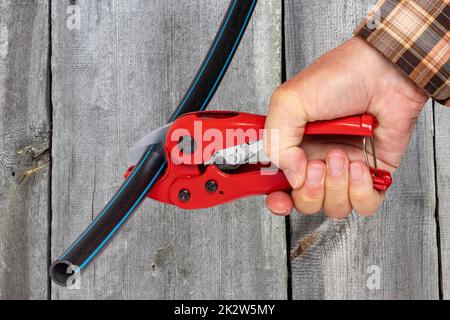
(363, 126)
(195, 186)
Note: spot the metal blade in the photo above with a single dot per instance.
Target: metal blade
(235, 156)
(154, 137)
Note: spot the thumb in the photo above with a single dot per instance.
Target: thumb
(285, 125)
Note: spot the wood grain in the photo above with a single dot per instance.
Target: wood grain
(442, 153)
(334, 259)
(119, 76)
(24, 143)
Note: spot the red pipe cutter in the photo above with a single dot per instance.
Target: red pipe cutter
(214, 157)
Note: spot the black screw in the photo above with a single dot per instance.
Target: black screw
(211, 186)
(184, 195)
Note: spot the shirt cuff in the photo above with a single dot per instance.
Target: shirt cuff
(415, 36)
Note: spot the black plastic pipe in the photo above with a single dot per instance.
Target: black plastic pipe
(152, 164)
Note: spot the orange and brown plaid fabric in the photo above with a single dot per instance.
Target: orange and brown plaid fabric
(414, 34)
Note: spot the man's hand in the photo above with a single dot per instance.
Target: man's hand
(350, 80)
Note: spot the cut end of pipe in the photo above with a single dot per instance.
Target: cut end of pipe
(61, 272)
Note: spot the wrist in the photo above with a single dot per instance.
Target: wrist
(381, 74)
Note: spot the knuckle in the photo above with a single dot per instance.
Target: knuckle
(337, 185)
(359, 197)
(312, 195)
(284, 96)
(337, 197)
(367, 211)
(307, 204)
(338, 210)
(308, 210)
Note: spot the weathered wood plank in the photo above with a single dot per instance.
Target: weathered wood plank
(442, 140)
(334, 259)
(118, 76)
(24, 138)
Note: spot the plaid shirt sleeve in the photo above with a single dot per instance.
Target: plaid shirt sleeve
(414, 34)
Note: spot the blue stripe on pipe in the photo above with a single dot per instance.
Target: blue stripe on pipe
(149, 151)
(206, 63)
(109, 205)
(229, 57)
(160, 169)
(123, 219)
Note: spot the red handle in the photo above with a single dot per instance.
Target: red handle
(355, 126)
(189, 185)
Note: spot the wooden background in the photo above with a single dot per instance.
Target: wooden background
(73, 98)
